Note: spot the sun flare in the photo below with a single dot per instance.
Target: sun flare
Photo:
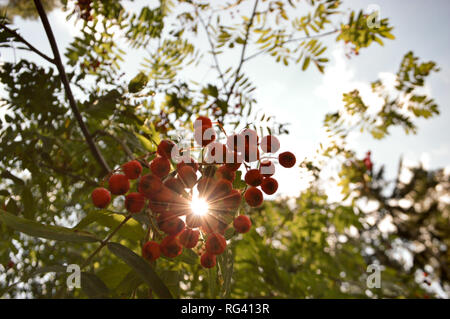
(199, 206)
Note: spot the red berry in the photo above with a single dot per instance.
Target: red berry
(242, 224)
(165, 148)
(253, 197)
(160, 166)
(226, 173)
(270, 144)
(192, 163)
(171, 225)
(216, 153)
(267, 168)
(134, 202)
(251, 153)
(232, 201)
(253, 177)
(10, 264)
(287, 159)
(189, 238)
(149, 185)
(151, 251)
(132, 169)
(170, 247)
(269, 185)
(222, 188)
(118, 184)
(205, 186)
(236, 142)
(208, 260)
(233, 161)
(250, 137)
(202, 121)
(216, 244)
(204, 135)
(101, 197)
(175, 184)
(187, 176)
(193, 220)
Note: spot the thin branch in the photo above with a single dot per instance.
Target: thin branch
(244, 47)
(213, 49)
(291, 40)
(105, 241)
(73, 105)
(29, 45)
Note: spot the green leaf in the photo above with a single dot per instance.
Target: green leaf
(138, 82)
(306, 63)
(142, 268)
(188, 256)
(93, 286)
(35, 229)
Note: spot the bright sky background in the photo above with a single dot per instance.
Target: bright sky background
(303, 98)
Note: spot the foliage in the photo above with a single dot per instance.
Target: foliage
(304, 249)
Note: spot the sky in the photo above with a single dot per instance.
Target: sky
(303, 98)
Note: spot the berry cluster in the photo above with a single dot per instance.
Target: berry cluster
(197, 202)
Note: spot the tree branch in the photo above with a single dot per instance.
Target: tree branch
(29, 45)
(213, 49)
(73, 105)
(292, 40)
(244, 47)
(105, 241)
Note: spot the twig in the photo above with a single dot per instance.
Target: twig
(291, 40)
(73, 105)
(244, 47)
(105, 241)
(29, 45)
(213, 49)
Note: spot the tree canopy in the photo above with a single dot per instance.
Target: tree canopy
(70, 121)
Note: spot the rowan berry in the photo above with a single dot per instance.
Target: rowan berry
(151, 251)
(233, 160)
(187, 176)
(149, 185)
(242, 224)
(175, 184)
(216, 153)
(253, 197)
(101, 197)
(251, 153)
(164, 148)
(192, 163)
(118, 184)
(269, 185)
(202, 121)
(226, 173)
(208, 260)
(204, 135)
(286, 159)
(160, 166)
(132, 169)
(193, 220)
(270, 144)
(253, 177)
(134, 202)
(267, 168)
(222, 188)
(170, 247)
(216, 244)
(189, 238)
(171, 225)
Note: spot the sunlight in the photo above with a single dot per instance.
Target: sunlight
(199, 206)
